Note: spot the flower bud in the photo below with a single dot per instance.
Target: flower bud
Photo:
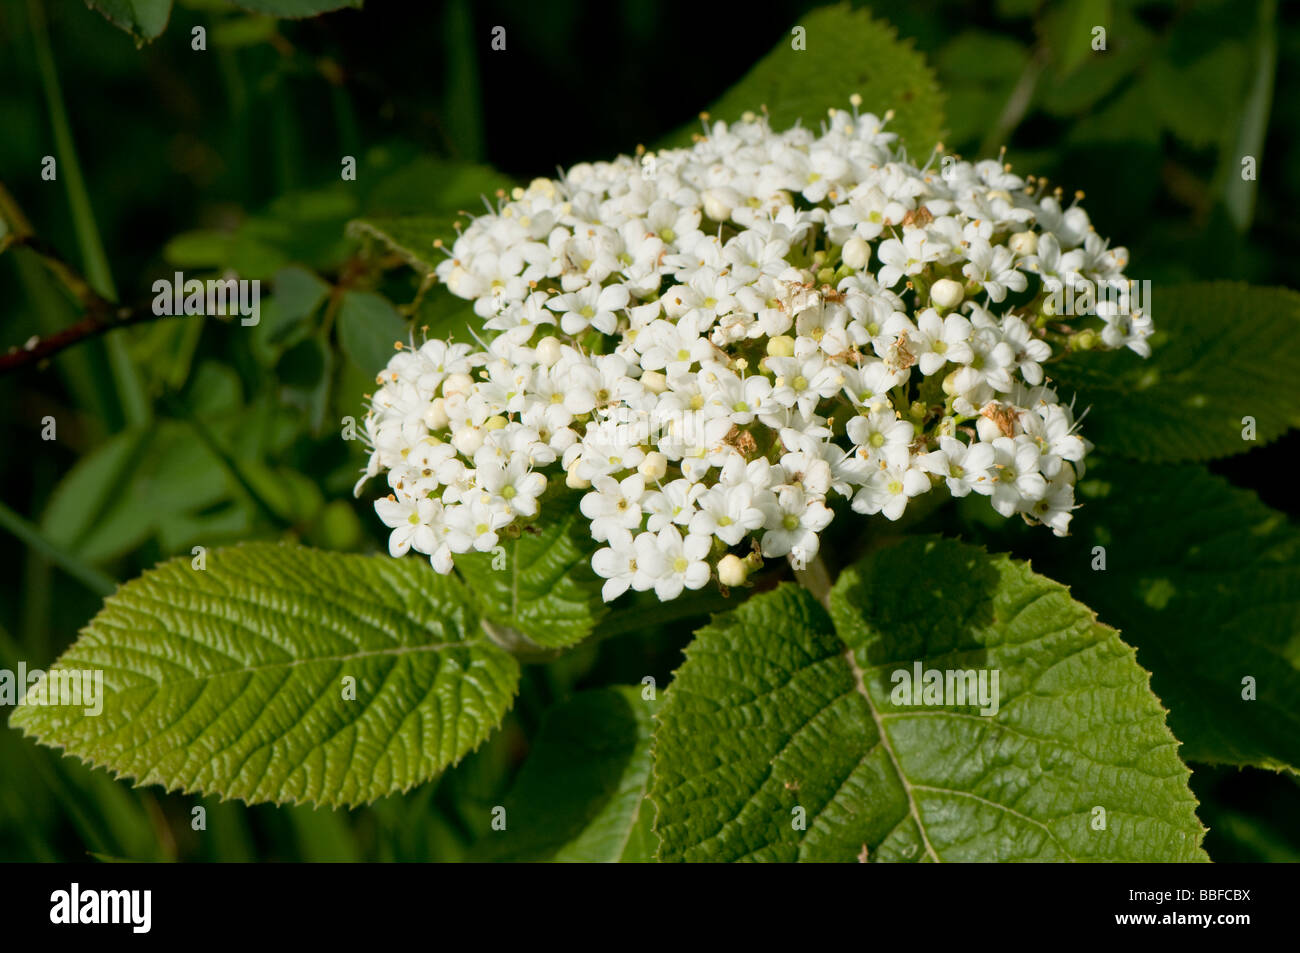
(1085, 340)
(988, 429)
(1023, 243)
(573, 481)
(548, 350)
(856, 253)
(457, 384)
(435, 418)
(781, 346)
(654, 466)
(654, 382)
(456, 279)
(718, 203)
(495, 422)
(467, 440)
(732, 570)
(946, 293)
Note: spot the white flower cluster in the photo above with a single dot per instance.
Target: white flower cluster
(715, 343)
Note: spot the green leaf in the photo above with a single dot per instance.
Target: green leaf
(87, 491)
(541, 583)
(239, 32)
(417, 205)
(846, 52)
(1070, 32)
(1238, 191)
(1200, 76)
(369, 326)
(299, 292)
(1205, 581)
(1223, 351)
(143, 19)
(114, 498)
(232, 680)
(411, 237)
(1191, 98)
(1128, 48)
(980, 71)
(580, 796)
(298, 9)
(777, 709)
(448, 318)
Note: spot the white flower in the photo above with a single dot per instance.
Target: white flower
(891, 486)
(512, 484)
(410, 521)
(728, 513)
(706, 384)
(741, 398)
(671, 562)
(478, 522)
(1017, 480)
(965, 467)
(880, 430)
(993, 266)
(804, 382)
(616, 564)
(899, 258)
(614, 505)
(671, 504)
(1056, 268)
(593, 306)
(1054, 509)
(1028, 351)
(940, 340)
(793, 522)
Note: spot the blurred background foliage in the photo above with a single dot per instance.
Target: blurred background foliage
(174, 434)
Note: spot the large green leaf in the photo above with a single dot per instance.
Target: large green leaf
(541, 583)
(1222, 351)
(845, 52)
(1205, 581)
(233, 680)
(581, 795)
(778, 709)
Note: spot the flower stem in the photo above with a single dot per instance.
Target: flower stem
(816, 578)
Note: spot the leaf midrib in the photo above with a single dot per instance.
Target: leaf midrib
(291, 663)
(860, 686)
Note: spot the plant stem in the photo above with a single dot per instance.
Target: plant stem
(135, 407)
(816, 578)
(88, 575)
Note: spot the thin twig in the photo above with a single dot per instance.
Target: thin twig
(100, 314)
(95, 322)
